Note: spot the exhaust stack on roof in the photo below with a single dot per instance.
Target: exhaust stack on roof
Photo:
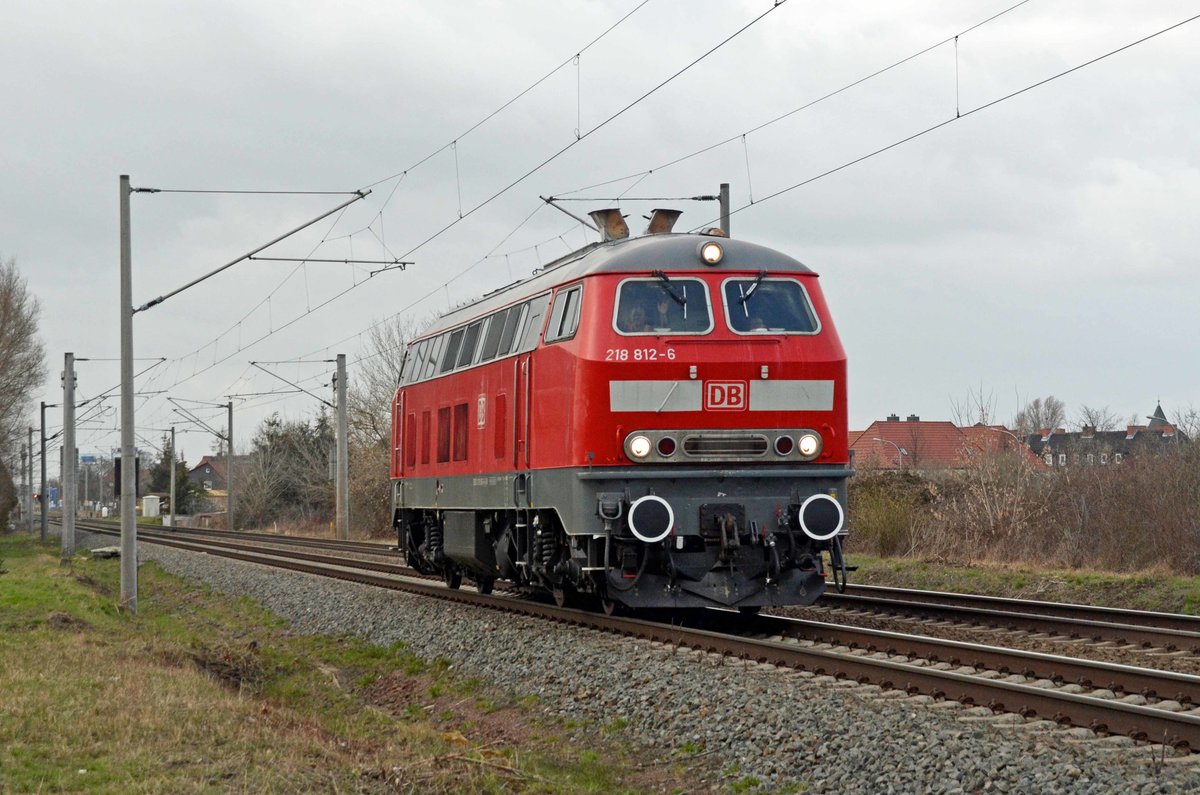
(611, 224)
(662, 221)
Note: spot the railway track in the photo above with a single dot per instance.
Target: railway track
(1146, 704)
(1152, 632)
(1116, 615)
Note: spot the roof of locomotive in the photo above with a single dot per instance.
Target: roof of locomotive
(664, 252)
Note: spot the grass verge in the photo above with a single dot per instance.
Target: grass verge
(1148, 591)
(203, 693)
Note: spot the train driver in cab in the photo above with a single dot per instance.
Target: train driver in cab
(666, 316)
(635, 320)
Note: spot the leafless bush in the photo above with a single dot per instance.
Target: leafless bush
(887, 509)
(288, 476)
(1141, 514)
(370, 491)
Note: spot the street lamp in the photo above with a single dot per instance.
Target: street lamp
(900, 451)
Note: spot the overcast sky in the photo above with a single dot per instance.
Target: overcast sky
(1044, 245)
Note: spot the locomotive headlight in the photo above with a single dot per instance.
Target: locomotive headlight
(639, 446)
(810, 443)
(711, 252)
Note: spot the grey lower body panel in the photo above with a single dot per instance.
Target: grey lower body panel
(730, 538)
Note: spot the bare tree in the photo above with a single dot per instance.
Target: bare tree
(376, 376)
(976, 407)
(22, 359)
(8, 496)
(1099, 418)
(1041, 413)
(1187, 421)
(372, 389)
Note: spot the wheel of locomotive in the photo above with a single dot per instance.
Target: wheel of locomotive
(485, 584)
(608, 606)
(750, 610)
(560, 596)
(453, 577)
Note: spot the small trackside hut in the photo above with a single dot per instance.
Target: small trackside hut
(656, 421)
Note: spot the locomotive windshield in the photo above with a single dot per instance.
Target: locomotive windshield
(768, 306)
(662, 305)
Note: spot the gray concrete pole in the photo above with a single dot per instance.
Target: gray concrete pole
(171, 515)
(22, 506)
(29, 494)
(229, 468)
(725, 207)
(129, 584)
(342, 504)
(43, 501)
(69, 462)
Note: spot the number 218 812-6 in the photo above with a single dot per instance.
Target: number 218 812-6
(639, 355)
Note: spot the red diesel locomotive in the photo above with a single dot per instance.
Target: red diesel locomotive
(658, 421)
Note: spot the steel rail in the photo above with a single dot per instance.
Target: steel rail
(1148, 636)
(1180, 730)
(230, 541)
(362, 547)
(1148, 618)
(1119, 678)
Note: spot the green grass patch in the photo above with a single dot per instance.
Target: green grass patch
(205, 693)
(1149, 591)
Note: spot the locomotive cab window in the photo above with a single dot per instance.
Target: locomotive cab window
(564, 316)
(758, 305)
(662, 305)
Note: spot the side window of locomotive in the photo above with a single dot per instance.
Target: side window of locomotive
(531, 328)
(657, 306)
(758, 305)
(564, 316)
(450, 354)
(491, 339)
(466, 354)
(410, 364)
(435, 346)
(510, 329)
(420, 357)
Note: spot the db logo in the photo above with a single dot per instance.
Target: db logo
(725, 395)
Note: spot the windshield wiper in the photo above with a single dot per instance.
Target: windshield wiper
(666, 285)
(746, 295)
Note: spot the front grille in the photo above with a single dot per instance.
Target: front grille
(725, 445)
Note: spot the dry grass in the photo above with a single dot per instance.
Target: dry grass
(203, 694)
(1156, 590)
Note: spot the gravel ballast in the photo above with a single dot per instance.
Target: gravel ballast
(787, 729)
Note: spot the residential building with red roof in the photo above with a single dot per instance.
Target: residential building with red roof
(916, 444)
